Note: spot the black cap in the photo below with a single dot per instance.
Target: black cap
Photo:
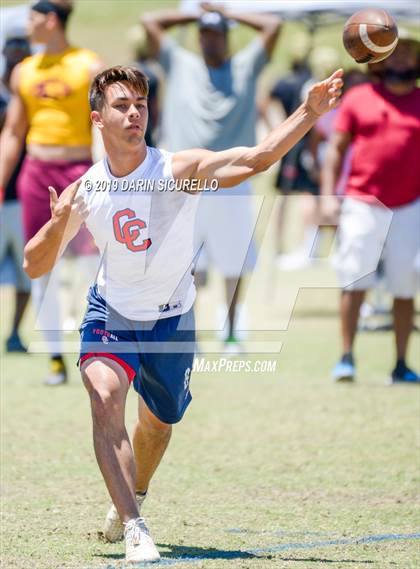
(213, 21)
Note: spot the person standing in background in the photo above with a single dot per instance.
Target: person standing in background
(49, 110)
(381, 210)
(215, 109)
(16, 48)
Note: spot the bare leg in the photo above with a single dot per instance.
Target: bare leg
(21, 299)
(403, 323)
(309, 209)
(232, 287)
(351, 302)
(107, 385)
(281, 215)
(150, 441)
(310, 220)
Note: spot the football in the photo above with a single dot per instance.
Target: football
(370, 35)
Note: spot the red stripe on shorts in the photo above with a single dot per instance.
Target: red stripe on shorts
(128, 369)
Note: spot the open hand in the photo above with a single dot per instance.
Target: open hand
(62, 207)
(325, 95)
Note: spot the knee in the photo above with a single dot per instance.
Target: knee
(105, 399)
(103, 404)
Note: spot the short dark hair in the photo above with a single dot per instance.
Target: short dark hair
(119, 74)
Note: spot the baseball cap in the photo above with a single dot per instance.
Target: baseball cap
(213, 21)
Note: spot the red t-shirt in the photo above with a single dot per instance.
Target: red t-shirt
(385, 130)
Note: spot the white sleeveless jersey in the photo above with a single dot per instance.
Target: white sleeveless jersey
(145, 237)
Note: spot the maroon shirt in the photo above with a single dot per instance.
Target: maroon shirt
(385, 131)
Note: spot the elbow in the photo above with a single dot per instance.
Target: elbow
(261, 162)
(32, 271)
(258, 160)
(261, 166)
(12, 134)
(31, 268)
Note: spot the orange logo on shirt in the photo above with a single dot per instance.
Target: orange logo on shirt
(129, 231)
(52, 89)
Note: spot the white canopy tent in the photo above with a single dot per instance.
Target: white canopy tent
(297, 9)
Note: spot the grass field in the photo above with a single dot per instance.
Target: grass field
(267, 470)
(278, 469)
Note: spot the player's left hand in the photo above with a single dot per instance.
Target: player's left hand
(325, 95)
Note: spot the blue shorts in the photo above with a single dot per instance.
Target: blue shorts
(157, 356)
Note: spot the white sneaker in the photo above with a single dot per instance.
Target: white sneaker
(113, 526)
(57, 374)
(139, 545)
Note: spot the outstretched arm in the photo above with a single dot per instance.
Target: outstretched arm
(233, 166)
(44, 249)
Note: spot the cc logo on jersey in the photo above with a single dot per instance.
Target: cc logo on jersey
(128, 231)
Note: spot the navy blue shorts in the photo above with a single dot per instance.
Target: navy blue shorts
(157, 356)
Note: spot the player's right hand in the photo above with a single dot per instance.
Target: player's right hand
(62, 207)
